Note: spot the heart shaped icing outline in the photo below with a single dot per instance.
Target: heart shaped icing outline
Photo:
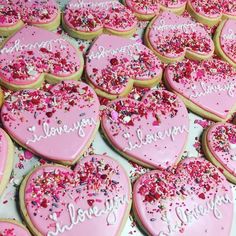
(16, 224)
(52, 25)
(160, 7)
(88, 35)
(54, 129)
(16, 45)
(205, 209)
(199, 90)
(35, 171)
(186, 53)
(202, 18)
(9, 159)
(224, 165)
(219, 46)
(108, 52)
(155, 136)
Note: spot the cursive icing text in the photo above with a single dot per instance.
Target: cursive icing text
(213, 88)
(187, 216)
(187, 27)
(79, 215)
(18, 46)
(104, 52)
(153, 137)
(49, 131)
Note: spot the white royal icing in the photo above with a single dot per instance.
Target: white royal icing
(153, 137)
(104, 52)
(55, 131)
(79, 216)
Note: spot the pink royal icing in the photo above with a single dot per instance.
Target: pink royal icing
(221, 141)
(93, 198)
(8, 228)
(3, 153)
(113, 61)
(209, 84)
(171, 36)
(153, 131)
(93, 15)
(149, 7)
(31, 12)
(192, 199)
(58, 124)
(228, 39)
(33, 51)
(214, 8)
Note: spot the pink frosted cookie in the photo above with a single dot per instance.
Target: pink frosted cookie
(174, 37)
(6, 160)
(12, 228)
(114, 65)
(152, 132)
(192, 199)
(207, 88)
(86, 19)
(147, 9)
(225, 41)
(219, 145)
(14, 13)
(58, 125)
(210, 12)
(33, 54)
(93, 199)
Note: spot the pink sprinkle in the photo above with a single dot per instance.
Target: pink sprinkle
(28, 155)
(114, 115)
(203, 123)
(200, 73)
(2, 19)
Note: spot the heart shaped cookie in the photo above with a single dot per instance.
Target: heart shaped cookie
(210, 12)
(174, 37)
(86, 19)
(152, 132)
(147, 9)
(114, 65)
(94, 197)
(207, 88)
(33, 54)
(12, 228)
(192, 199)
(58, 125)
(219, 145)
(6, 159)
(14, 13)
(225, 41)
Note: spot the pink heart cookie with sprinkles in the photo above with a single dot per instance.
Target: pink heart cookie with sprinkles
(147, 9)
(6, 159)
(12, 228)
(219, 145)
(174, 37)
(14, 13)
(33, 54)
(152, 132)
(210, 12)
(58, 125)
(114, 65)
(225, 41)
(192, 199)
(207, 88)
(87, 19)
(94, 197)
